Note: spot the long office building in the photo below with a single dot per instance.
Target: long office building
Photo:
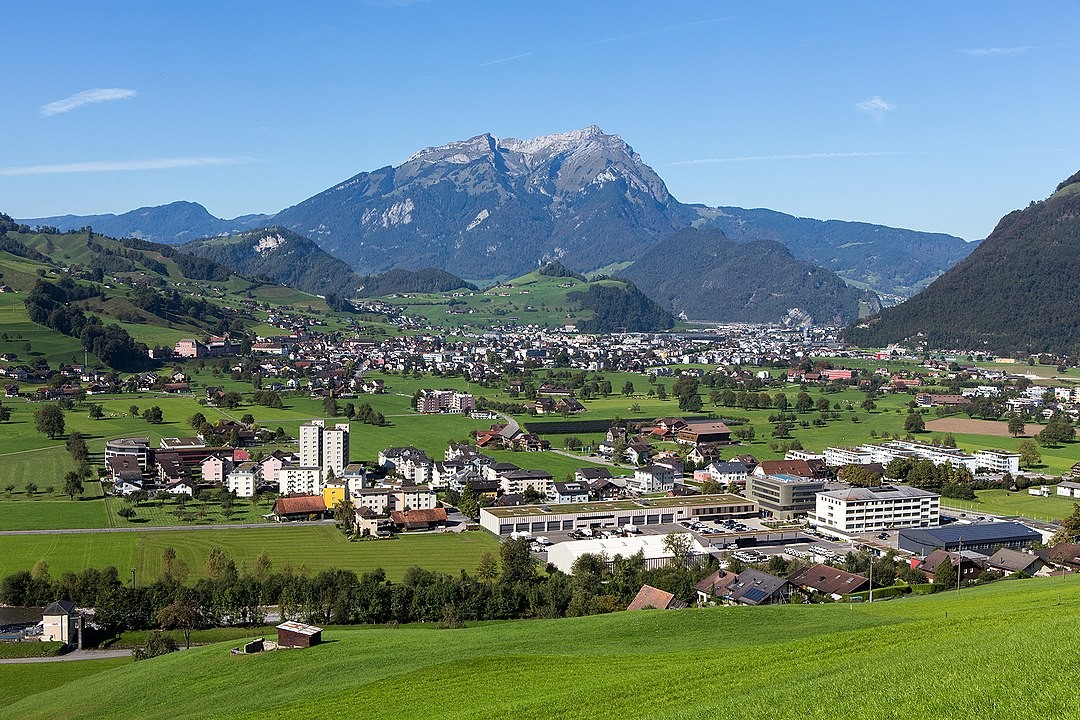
(613, 513)
(860, 510)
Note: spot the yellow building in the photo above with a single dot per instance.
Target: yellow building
(333, 493)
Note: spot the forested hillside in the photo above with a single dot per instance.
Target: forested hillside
(701, 274)
(1012, 294)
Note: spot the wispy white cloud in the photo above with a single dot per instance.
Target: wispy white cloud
(875, 106)
(87, 97)
(983, 52)
(797, 156)
(500, 61)
(122, 165)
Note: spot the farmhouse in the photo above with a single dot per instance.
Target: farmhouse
(298, 507)
(1067, 488)
(428, 519)
(704, 432)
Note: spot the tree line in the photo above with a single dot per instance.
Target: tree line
(508, 586)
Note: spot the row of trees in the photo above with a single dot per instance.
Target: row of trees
(503, 587)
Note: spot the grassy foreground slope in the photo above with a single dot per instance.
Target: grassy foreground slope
(1005, 650)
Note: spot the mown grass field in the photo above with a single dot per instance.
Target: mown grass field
(312, 548)
(1002, 651)
(19, 681)
(1003, 502)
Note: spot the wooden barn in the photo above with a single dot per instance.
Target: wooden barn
(294, 634)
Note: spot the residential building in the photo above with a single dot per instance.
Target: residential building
(998, 461)
(299, 479)
(860, 510)
(829, 581)
(569, 492)
(324, 447)
(518, 481)
(1013, 562)
(215, 469)
(412, 497)
(445, 401)
(137, 447)
(967, 564)
(725, 473)
(243, 479)
(652, 479)
(783, 496)
(753, 587)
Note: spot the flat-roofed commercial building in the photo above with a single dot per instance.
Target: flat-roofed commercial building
(784, 496)
(563, 555)
(613, 513)
(859, 510)
(983, 537)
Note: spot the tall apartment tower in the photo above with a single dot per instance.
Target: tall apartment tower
(335, 449)
(323, 447)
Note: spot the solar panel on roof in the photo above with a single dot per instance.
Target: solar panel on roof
(755, 594)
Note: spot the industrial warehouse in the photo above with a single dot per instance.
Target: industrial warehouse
(614, 513)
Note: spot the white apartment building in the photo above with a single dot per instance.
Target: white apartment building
(885, 453)
(861, 510)
(998, 461)
(300, 480)
(327, 448)
(652, 479)
(241, 481)
(311, 443)
(841, 456)
(375, 499)
(412, 497)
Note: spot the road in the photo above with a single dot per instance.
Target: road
(71, 656)
(163, 528)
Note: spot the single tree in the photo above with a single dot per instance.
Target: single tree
(196, 421)
(49, 420)
(183, 614)
(96, 413)
(1016, 425)
(1029, 453)
(628, 389)
(73, 484)
(30, 488)
(487, 568)
(5, 413)
(133, 410)
(914, 423)
(945, 575)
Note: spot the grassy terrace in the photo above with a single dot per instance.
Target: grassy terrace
(611, 505)
(310, 548)
(936, 656)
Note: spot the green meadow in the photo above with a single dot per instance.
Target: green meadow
(312, 548)
(1000, 651)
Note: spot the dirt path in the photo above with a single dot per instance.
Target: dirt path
(998, 428)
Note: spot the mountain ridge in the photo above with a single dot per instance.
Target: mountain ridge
(489, 207)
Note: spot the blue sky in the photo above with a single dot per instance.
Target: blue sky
(933, 116)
